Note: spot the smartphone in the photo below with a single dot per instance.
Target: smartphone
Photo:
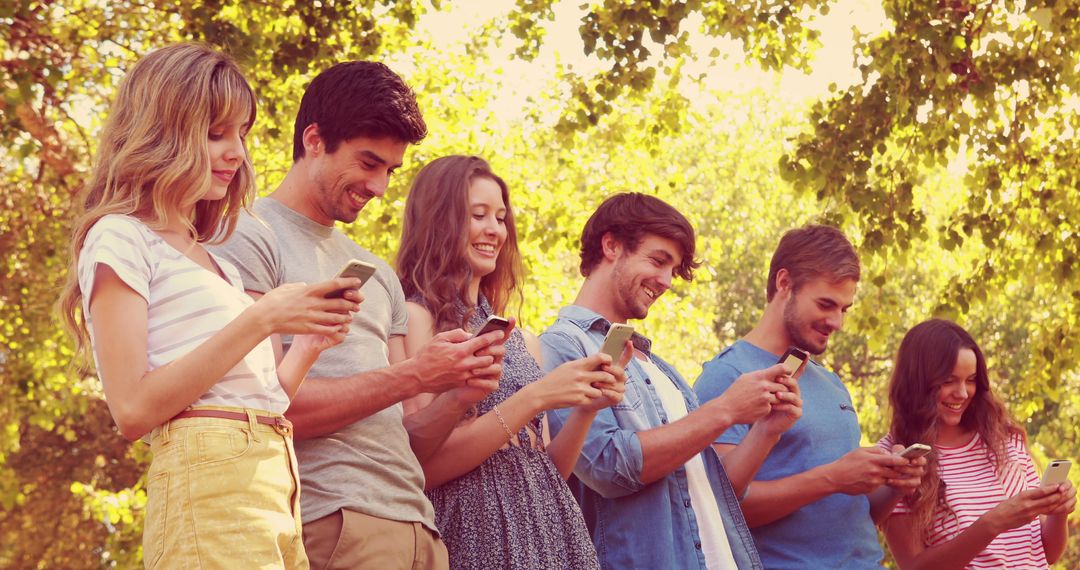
(493, 323)
(1057, 472)
(616, 338)
(915, 451)
(793, 359)
(354, 268)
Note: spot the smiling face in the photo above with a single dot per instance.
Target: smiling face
(956, 392)
(487, 225)
(225, 143)
(816, 310)
(345, 180)
(639, 277)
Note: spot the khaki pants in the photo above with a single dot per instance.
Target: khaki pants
(348, 539)
(222, 494)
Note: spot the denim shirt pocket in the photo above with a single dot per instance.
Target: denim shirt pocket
(633, 413)
(632, 397)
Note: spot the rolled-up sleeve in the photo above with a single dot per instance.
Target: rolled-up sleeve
(611, 458)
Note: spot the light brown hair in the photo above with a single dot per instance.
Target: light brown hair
(813, 251)
(153, 159)
(432, 261)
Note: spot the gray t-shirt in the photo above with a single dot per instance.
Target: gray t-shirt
(368, 466)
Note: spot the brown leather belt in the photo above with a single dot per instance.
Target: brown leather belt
(276, 421)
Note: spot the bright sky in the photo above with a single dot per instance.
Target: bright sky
(729, 72)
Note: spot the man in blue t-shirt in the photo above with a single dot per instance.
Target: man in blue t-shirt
(816, 494)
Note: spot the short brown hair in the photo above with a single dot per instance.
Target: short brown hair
(813, 251)
(358, 99)
(629, 217)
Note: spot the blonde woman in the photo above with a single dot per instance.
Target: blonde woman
(183, 354)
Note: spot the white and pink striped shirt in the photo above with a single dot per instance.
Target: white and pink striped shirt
(186, 304)
(973, 487)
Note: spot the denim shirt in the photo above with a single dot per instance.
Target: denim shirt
(635, 525)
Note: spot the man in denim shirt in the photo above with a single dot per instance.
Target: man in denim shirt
(653, 493)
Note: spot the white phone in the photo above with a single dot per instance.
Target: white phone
(1057, 472)
(616, 337)
(354, 268)
(915, 451)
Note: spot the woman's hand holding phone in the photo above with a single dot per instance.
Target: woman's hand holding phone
(298, 308)
(1067, 504)
(1021, 509)
(317, 343)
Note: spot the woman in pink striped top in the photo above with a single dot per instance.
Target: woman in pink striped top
(981, 504)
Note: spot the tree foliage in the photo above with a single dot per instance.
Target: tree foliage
(952, 164)
(988, 86)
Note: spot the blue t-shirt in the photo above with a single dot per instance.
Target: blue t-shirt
(836, 531)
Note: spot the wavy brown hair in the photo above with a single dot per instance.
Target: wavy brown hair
(630, 217)
(926, 358)
(432, 261)
(153, 159)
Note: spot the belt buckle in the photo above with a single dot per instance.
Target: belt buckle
(282, 425)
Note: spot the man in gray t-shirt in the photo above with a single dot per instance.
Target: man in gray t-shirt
(362, 498)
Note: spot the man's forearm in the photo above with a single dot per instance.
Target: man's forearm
(742, 461)
(882, 501)
(770, 501)
(326, 405)
(429, 426)
(668, 447)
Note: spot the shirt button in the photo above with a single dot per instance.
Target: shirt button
(697, 545)
(686, 503)
(648, 380)
(663, 420)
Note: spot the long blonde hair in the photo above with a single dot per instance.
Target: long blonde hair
(153, 159)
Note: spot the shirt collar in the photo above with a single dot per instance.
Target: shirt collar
(590, 320)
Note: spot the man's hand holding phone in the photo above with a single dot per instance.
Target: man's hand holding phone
(787, 410)
(485, 380)
(494, 332)
(911, 474)
(862, 470)
(788, 406)
(752, 395)
(451, 359)
(612, 392)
